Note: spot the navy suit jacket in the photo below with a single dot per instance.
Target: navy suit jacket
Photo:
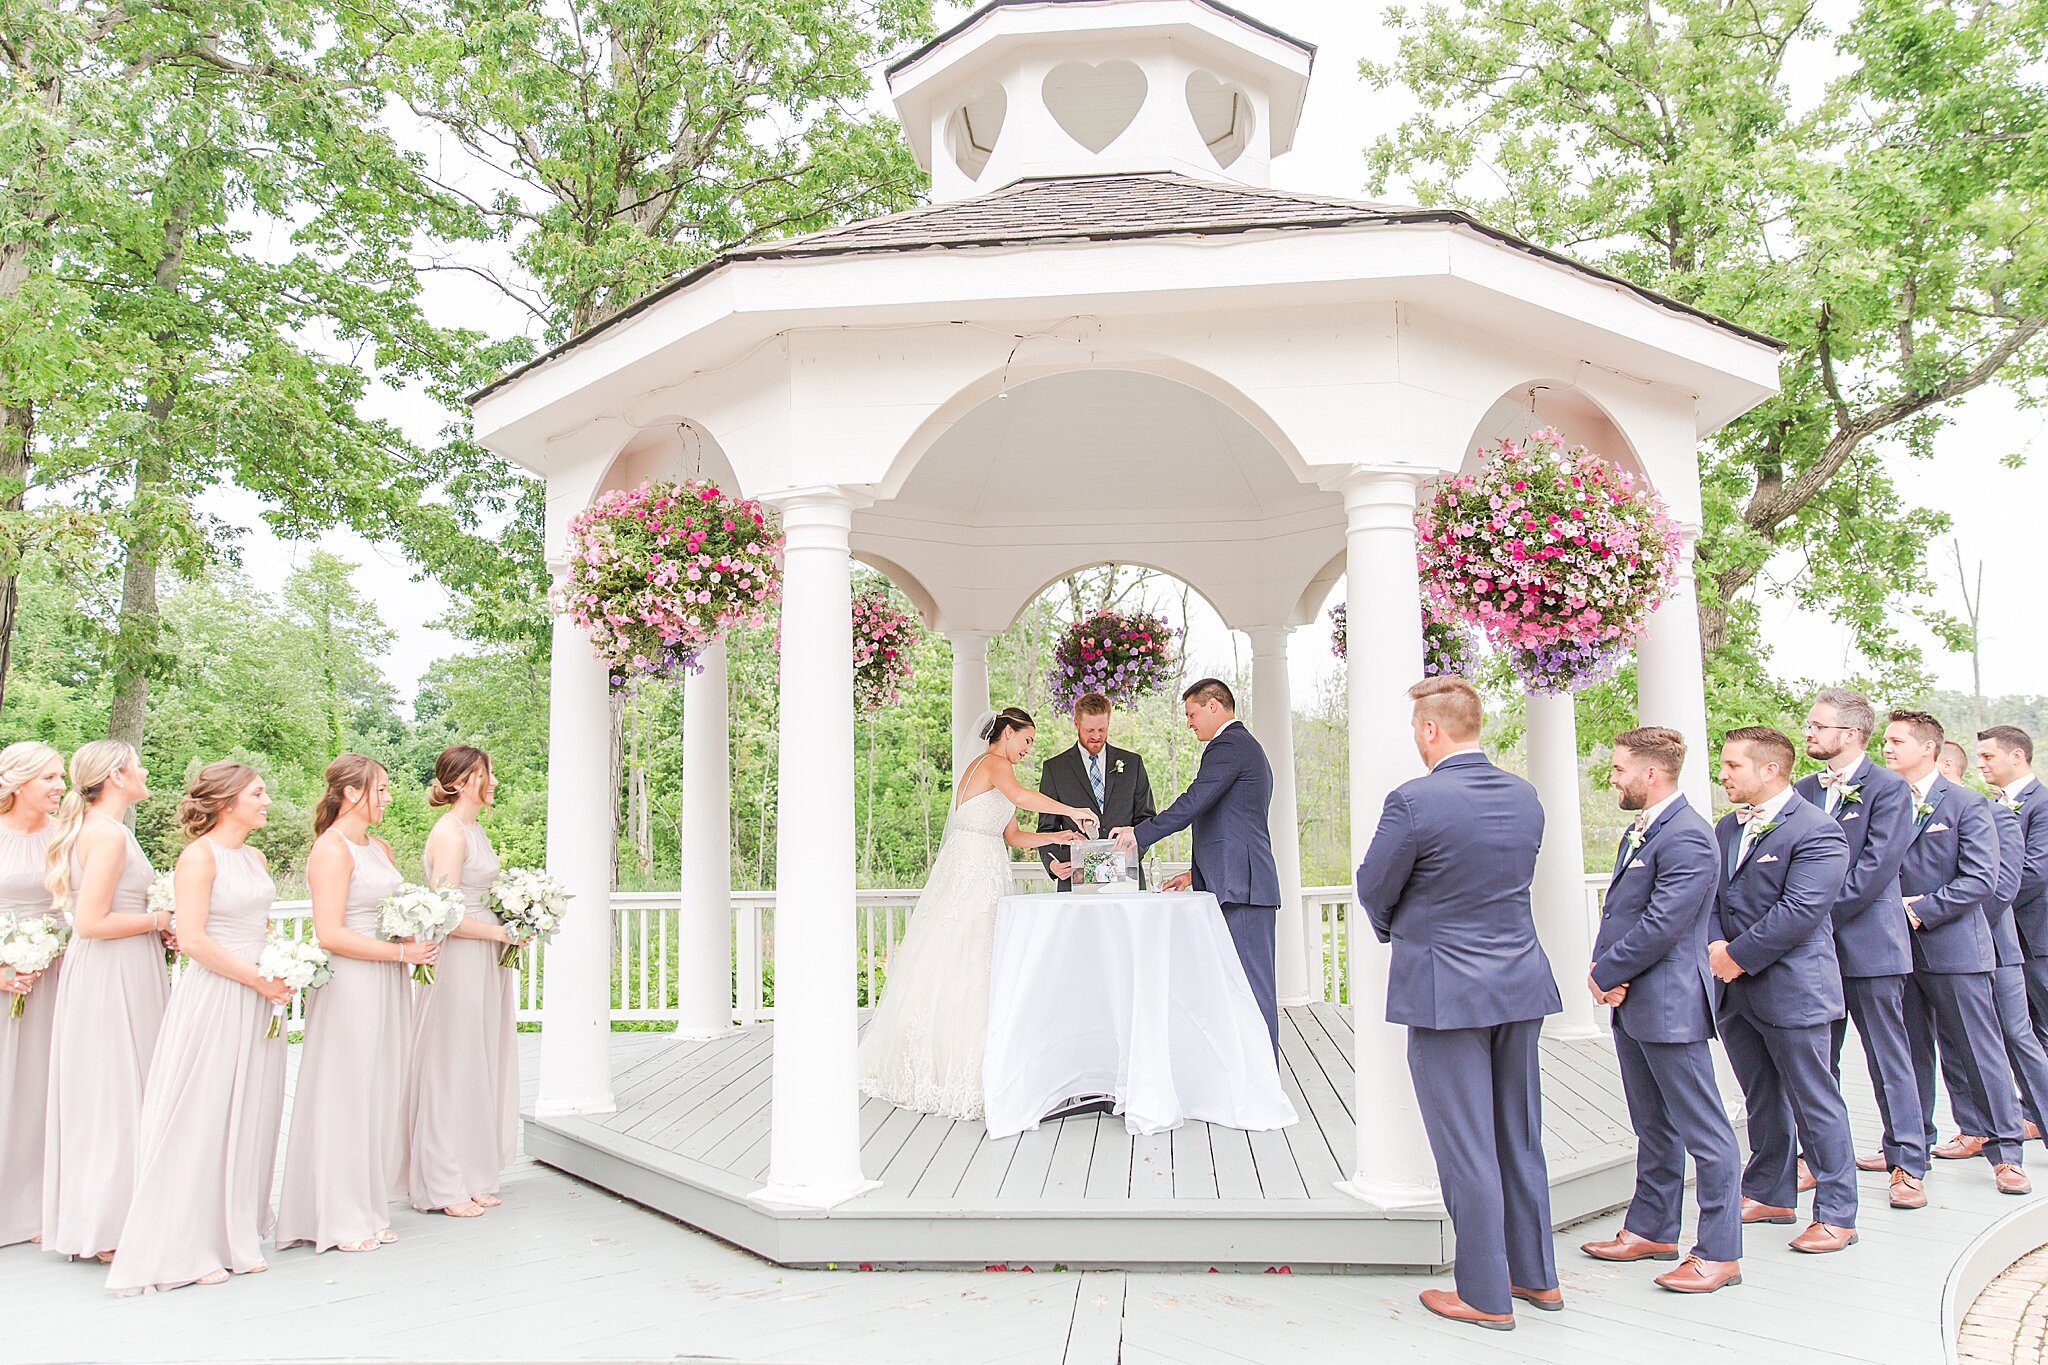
(1446, 881)
(1226, 803)
(1872, 937)
(1774, 913)
(1953, 866)
(1653, 931)
(2030, 911)
(2012, 857)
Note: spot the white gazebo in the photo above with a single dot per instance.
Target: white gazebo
(1107, 338)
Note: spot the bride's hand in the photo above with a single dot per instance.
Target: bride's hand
(1086, 819)
(1067, 836)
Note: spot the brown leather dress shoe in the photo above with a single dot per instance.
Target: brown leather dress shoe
(2010, 1179)
(1549, 1300)
(1961, 1147)
(1821, 1238)
(1626, 1246)
(1446, 1304)
(1874, 1162)
(1754, 1212)
(1695, 1276)
(1907, 1192)
(1806, 1180)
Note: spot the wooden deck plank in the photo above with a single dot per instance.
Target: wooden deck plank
(983, 1179)
(878, 1151)
(942, 1176)
(1333, 1057)
(1095, 1336)
(1072, 1154)
(1319, 1165)
(1109, 1172)
(1026, 1177)
(694, 1087)
(1194, 1166)
(1152, 1166)
(1319, 1104)
(1237, 1174)
(1273, 1158)
(903, 1172)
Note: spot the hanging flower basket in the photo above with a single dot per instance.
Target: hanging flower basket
(658, 573)
(1554, 555)
(1448, 647)
(1122, 655)
(884, 638)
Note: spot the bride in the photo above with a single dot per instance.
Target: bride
(923, 1048)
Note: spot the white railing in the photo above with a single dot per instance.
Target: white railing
(645, 981)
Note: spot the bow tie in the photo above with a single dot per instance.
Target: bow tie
(1830, 778)
(1998, 793)
(1744, 814)
(1642, 823)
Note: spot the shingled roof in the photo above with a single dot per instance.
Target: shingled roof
(1098, 208)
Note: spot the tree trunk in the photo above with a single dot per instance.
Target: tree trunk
(17, 431)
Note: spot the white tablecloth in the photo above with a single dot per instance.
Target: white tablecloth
(1140, 996)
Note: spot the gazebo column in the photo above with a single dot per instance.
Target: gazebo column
(704, 933)
(575, 1039)
(1670, 678)
(1298, 948)
(1559, 894)
(970, 693)
(814, 1142)
(1392, 1164)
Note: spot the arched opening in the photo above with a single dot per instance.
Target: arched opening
(1560, 405)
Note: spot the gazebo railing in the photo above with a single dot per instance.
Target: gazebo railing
(645, 981)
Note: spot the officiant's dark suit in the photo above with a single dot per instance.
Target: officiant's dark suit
(1126, 796)
(1446, 881)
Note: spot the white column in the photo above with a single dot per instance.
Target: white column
(575, 1039)
(814, 1143)
(1298, 948)
(1671, 680)
(704, 929)
(970, 693)
(1383, 661)
(1559, 894)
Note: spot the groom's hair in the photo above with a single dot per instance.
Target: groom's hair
(1452, 703)
(1211, 689)
(1662, 747)
(1091, 704)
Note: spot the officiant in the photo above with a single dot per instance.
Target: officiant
(1092, 773)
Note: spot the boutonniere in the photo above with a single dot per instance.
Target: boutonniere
(2013, 804)
(1636, 839)
(1850, 792)
(1119, 765)
(1921, 810)
(1759, 831)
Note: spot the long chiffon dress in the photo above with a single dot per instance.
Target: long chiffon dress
(465, 1057)
(25, 1045)
(206, 1153)
(345, 1161)
(110, 1008)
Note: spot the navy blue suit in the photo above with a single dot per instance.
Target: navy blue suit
(1233, 851)
(1653, 939)
(1874, 948)
(2023, 1050)
(1953, 868)
(1446, 882)
(1777, 1017)
(2030, 906)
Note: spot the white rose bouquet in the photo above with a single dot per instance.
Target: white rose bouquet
(163, 897)
(422, 913)
(29, 943)
(530, 902)
(300, 963)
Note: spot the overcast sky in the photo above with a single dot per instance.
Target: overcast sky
(1996, 511)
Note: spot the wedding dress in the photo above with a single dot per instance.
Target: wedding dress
(923, 1048)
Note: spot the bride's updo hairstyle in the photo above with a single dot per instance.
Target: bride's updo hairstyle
(1009, 718)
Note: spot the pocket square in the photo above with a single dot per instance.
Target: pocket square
(1768, 858)
(1852, 815)
(1936, 829)
(1630, 868)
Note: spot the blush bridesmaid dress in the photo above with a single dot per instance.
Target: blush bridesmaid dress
(25, 1045)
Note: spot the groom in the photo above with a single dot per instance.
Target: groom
(1093, 774)
(1233, 851)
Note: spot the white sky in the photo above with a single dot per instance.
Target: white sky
(1996, 510)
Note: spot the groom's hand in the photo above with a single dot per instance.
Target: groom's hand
(1179, 881)
(1126, 841)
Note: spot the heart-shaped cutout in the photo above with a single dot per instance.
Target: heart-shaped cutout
(1094, 101)
(972, 130)
(1223, 116)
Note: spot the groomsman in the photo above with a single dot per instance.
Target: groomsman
(1949, 873)
(1873, 807)
(1092, 774)
(2005, 756)
(1446, 881)
(1650, 964)
(1783, 862)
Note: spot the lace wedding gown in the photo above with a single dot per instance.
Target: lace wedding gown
(923, 1048)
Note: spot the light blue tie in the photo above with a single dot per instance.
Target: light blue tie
(1095, 777)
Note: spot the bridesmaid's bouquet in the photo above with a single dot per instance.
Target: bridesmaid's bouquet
(162, 897)
(29, 943)
(300, 963)
(530, 902)
(424, 914)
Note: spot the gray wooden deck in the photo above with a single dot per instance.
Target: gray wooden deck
(690, 1139)
(565, 1272)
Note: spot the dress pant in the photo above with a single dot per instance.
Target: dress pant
(2023, 1050)
(1482, 1107)
(1956, 1012)
(1252, 928)
(1787, 1087)
(2036, 969)
(1674, 1105)
(1878, 1006)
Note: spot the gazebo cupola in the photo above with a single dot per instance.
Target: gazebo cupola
(1084, 87)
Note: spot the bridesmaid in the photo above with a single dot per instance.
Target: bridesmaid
(109, 1005)
(346, 1160)
(465, 1078)
(206, 1144)
(31, 785)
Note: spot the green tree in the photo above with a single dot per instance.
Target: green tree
(346, 638)
(1890, 233)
